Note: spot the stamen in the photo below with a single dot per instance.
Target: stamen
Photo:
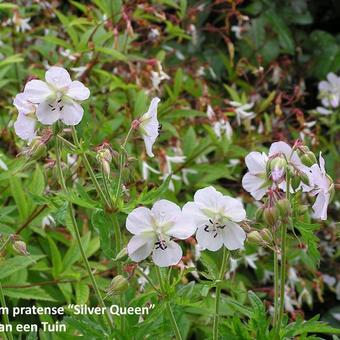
(60, 108)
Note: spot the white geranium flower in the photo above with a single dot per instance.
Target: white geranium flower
(241, 111)
(322, 187)
(255, 181)
(58, 97)
(153, 232)
(149, 126)
(216, 217)
(159, 76)
(278, 149)
(25, 124)
(221, 126)
(329, 91)
(323, 111)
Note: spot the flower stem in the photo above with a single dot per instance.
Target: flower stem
(282, 276)
(89, 169)
(78, 238)
(218, 292)
(168, 306)
(276, 289)
(121, 164)
(4, 314)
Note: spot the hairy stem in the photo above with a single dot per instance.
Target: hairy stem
(168, 306)
(78, 237)
(218, 293)
(4, 314)
(121, 165)
(276, 289)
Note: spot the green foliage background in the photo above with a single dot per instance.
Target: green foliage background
(207, 65)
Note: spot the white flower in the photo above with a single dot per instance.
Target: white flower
(153, 34)
(153, 232)
(58, 97)
(324, 111)
(278, 149)
(250, 260)
(22, 24)
(142, 281)
(48, 221)
(221, 127)
(241, 111)
(146, 168)
(255, 181)
(329, 280)
(159, 76)
(149, 126)
(216, 217)
(322, 185)
(329, 91)
(25, 124)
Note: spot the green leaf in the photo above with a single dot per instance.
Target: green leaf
(30, 293)
(82, 293)
(20, 197)
(14, 264)
(56, 258)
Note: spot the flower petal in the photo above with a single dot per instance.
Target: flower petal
(72, 113)
(320, 206)
(233, 209)
(254, 185)
(169, 256)
(58, 77)
(208, 198)
(165, 213)
(37, 91)
(256, 162)
(139, 220)
(25, 127)
(47, 115)
(208, 240)
(233, 236)
(280, 148)
(78, 91)
(191, 211)
(140, 247)
(22, 104)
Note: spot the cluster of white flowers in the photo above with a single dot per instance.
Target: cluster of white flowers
(48, 101)
(215, 217)
(329, 93)
(267, 173)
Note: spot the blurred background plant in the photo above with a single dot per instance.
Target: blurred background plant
(233, 76)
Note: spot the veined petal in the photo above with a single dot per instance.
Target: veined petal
(256, 162)
(139, 220)
(22, 104)
(149, 141)
(165, 213)
(183, 228)
(169, 256)
(233, 209)
(140, 247)
(233, 236)
(71, 113)
(255, 185)
(25, 127)
(208, 198)
(280, 148)
(320, 206)
(37, 91)
(191, 211)
(58, 77)
(78, 91)
(47, 115)
(208, 240)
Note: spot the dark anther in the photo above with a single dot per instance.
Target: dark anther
(59, 100)
(50, 105)
(215, 235)
(211, 221)
(60, 108)
(206, 228)
(160, 126)
(221, 226)
(53, 109)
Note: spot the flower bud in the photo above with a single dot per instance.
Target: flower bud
(119, 284)
(259, 214)
(105, 158)
(304, 178)
(284, 207)
(308, 158)
(278, 163)
(270, 215)
(295, 182)
(20, 248)
(255, 237)
(266, 235)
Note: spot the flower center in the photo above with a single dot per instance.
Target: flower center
(57, 105)
(214, 227)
